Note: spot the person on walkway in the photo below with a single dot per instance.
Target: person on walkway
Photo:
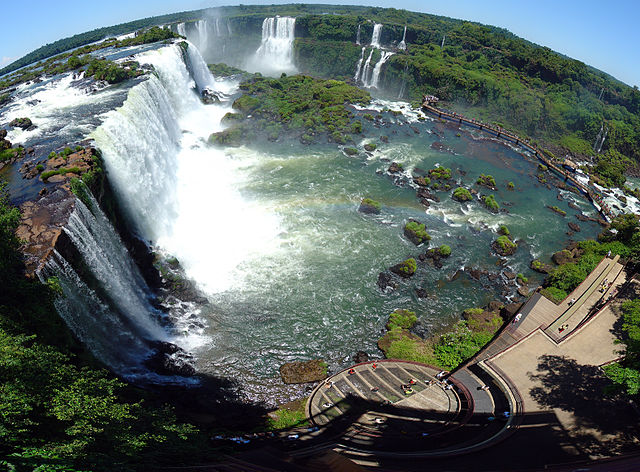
(352, 371)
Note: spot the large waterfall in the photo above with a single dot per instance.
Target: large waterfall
(116, 318)
(275, 53)
(375, 36)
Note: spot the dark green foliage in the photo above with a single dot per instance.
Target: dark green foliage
(150, 35)
(401, 318)
(350, 151)
(302, 106)
(416, 232)
(444, 250)
(335, 59)
(511, 186)
(11, 153)
(223, 70)
(408, 267)
(503, 230)
(486, 180)
(490, 202)
(626, 373)
(556, 295)
(611, 167)
(461, 194)
(459, 344)
(102, 69)
(440, 173)
(370, 204)
(505, 244)
(568, 276)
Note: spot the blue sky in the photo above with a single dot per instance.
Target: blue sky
(605, 35)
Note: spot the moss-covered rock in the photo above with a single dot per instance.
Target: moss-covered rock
(370, 147)
(401, 318)
(440, 173)
(557, 210)
(303, 371)
(406, 268)
(540, 266)
(461, 194)
(503, 230)
(490, 202)
(487, 181)
(511, 186)
(416, 232)
(504, 246)
(23, 123)
(563, 257)
(350, 151)
(368, 205)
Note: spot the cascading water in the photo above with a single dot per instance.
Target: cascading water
(375, 36)
(203, 35)
(366, 70)
(356, 77)
(403, 86)
(358, 36)
(375, 76)
(403, 46)
(275, 53)
(182, 30)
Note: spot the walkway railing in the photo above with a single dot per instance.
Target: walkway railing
(594, 197)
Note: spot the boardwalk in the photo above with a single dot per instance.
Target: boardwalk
(594, 197)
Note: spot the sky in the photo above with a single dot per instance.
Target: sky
(601, 34)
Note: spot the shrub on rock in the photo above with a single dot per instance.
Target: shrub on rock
(401, 318)
(416, 232)
(504, 246)
(368, 205)
(406, 268)
(461, 194)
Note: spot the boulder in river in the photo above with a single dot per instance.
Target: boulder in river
(406, 268)
(574, 227)
(370, 206)
(303, 371)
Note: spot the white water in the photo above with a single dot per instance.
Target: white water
(205, 224)
(375, 36)
(375, 76)
(275, 53)
(203, 35)
(356, 77)
(365, 70)
(403, 46)
(358, 36)
(182, 31)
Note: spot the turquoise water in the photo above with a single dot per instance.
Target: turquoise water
(313, 292)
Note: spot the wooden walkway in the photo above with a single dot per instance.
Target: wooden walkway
(594, 197)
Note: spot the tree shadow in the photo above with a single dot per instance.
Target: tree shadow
(604, 424)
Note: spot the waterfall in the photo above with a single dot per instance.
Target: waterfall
(403, 46)
(366, 69)
(275, 53)
(600, 138)
(229, 31)
(356, 77)
(199, 70)
(375, 36)
(443, 38)
(182, 31)
(203, 35)
(375, 76)
(358, 36)
(403, 85)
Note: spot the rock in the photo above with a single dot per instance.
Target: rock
(573, 206)
(495, 305)
(508, 311)
(420, 181)
(370, 147)
(30, 150)
(384, 139)
(303, 371)
(421, 293)
(210, 96)
(43, 191)
(539, 266)
(504, 246)
(385, 280)
(523, 290)
(416, 232)
(360, 357)
(395, 168)
(369, 206)
(510, 275)
(3, 133)
(574, 227)
(562, 257)
(405, 269)
(170, 359)
(23, 123)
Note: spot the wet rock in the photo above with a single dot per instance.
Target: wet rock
(303, 371)
(523, 290)
(508, 311)
(385, 280)
(541, 267)
(509, 275)
(395, 168)
(494, 305)
(421, 293)
(170, 359)
(562, 257)
(23, 123)
(574, 227)
(370, 206)
(573, 206)
(211, 96)
(360, 357)
(405, 269)
(420, 180)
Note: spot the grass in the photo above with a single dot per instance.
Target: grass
(288, 417)
(401, 318)
(505, 243)
(408, 266)
(61, 171)
(503, 230)
(371, 203)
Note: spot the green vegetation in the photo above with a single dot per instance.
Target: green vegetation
(511, 186)
(370, 147)
(147, 36)
(350, 151)
(626, 373)
(403, 319)
(300, 106)
(542, 168)
(289, 416)
(440, 173)
(21, 122)
(372, 204)
(522, 279)
(444, 250)
(223, 70)
(461, 194)
(61, 171)
(503, 230)
(557, 210)
(406, 268)
(102, 69)
(504, 246)
(490, 202)
(486, 180)
(610, 168)
(11, 153)
(58, 410)
(416, 232)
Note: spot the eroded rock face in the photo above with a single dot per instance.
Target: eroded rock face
(303, 371)
(170, 359)
(562, 257)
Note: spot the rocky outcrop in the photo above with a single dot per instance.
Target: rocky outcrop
(574, 227)
(24, 123)
(360, 357)
(170, 359)
(303, 371)
(540, 266)
(367, 205)
(405, 269)
(562, 257)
